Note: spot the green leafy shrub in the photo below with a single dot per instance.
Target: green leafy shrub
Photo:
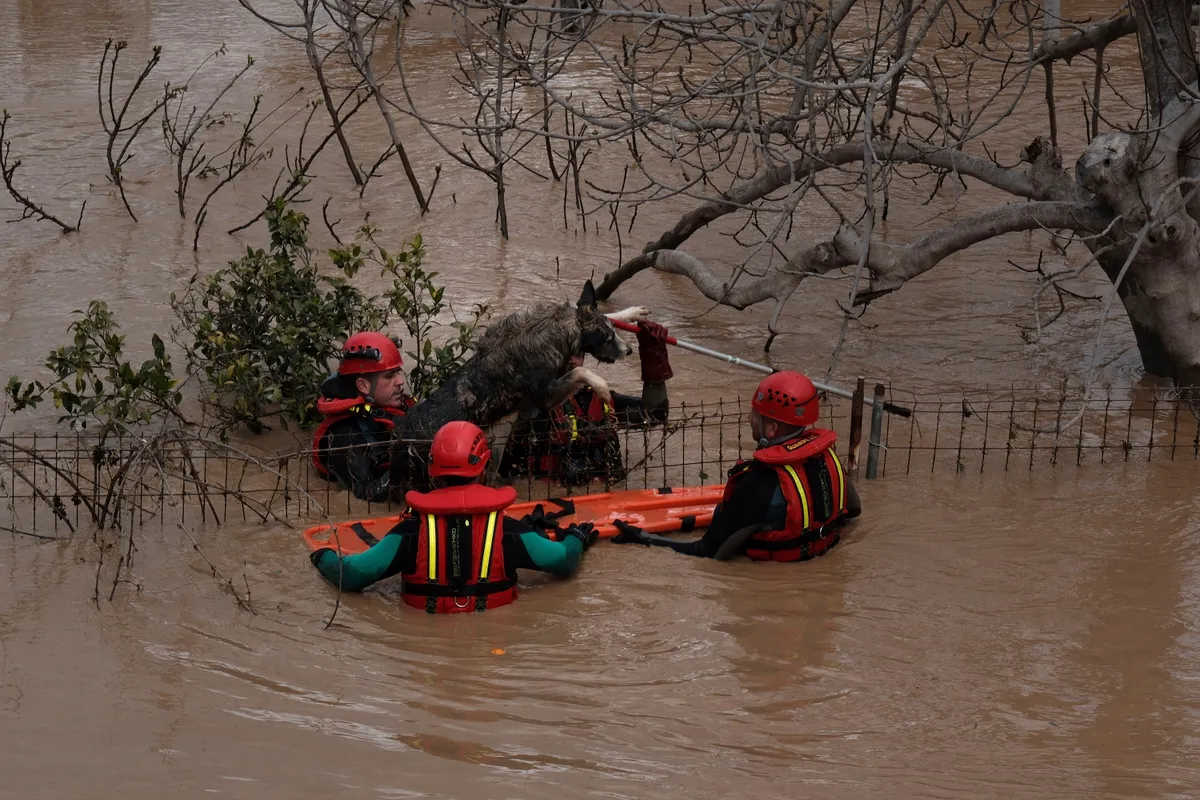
(259, 335)
(262, 330)
(94, 382)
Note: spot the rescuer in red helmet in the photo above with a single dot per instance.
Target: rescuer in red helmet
(790, 501)
(458, 551)
(361, 404)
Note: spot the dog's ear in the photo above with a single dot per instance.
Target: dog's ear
(588, 298)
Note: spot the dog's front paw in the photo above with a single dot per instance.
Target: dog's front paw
(600, 387)
(632, 314)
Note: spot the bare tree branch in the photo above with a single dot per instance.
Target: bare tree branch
(894, 265)
(114, 122)
(361, 59)
(891, 265)
(180, 139)
(305, 33)
(1093, 37)
(744, 194)
(8, 168)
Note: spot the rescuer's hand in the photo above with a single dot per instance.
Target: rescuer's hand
(585, 532)
(629, 534)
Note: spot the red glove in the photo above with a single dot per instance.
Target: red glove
(652, 350)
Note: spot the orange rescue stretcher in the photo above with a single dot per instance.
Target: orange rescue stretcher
(667, 510)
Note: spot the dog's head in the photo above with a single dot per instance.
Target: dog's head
(598, 337)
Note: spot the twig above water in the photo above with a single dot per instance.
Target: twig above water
(8, 168)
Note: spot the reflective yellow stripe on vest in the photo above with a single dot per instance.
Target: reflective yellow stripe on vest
(431, 534)
(487, 546)
(575, 422)
(837, 463)
(799, 491)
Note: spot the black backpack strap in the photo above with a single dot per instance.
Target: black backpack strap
(540, 520)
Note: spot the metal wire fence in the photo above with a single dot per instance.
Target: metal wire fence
(53, 485)
(986, 430)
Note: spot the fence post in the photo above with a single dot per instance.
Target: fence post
(856, 414)
(873, 442)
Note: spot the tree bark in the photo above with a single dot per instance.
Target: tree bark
(1166, 48)
(1139, 177)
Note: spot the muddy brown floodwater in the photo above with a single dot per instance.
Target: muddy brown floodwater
(1013, 636)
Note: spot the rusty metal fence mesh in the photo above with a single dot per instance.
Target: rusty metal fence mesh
(53, 485)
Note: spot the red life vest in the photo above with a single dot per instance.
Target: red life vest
(566, 416)
(814, 486)
(460, 552)
(564, 432)
(337, 410)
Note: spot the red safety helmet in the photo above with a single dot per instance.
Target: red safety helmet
(368, 353)
(459, 448)
(787, 397)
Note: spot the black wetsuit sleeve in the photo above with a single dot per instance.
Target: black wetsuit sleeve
(626, 404)
(632, 411)
(357, 457)
(748, 505)
(853, 502)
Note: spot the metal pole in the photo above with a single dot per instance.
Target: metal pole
(873, 442)
(856, 421)
(741, 362)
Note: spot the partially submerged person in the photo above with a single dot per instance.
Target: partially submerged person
(362, 405)
(458, 551)
(577, 441)
(790, 501)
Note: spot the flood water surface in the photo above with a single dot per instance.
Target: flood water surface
(1012, 643)
(1021, 635)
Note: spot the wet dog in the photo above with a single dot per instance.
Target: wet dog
(528, 359)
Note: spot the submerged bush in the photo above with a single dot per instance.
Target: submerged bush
(261, 331)
(94, 382)
(259, 335)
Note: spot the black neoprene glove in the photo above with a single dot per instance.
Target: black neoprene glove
(629, 534)
(375, 490)
(585, 532)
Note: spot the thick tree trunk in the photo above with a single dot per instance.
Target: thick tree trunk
(1141, 178)
(1168, 55)
(1151, 346)
(1172, 287)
